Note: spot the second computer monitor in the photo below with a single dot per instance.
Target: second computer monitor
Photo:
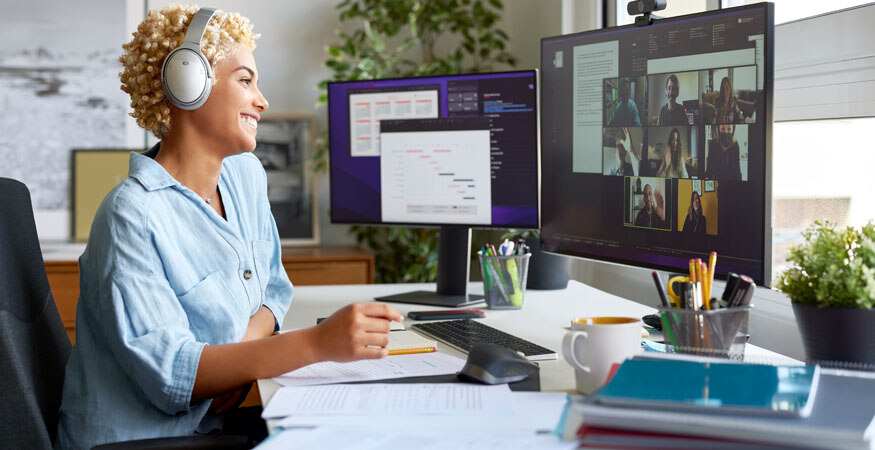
(435, 151)
(453, 151)
(656, 142)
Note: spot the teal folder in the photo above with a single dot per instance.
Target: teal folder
(719, 387)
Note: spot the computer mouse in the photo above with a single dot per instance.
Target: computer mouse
(494, 364)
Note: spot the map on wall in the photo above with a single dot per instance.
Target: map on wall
(59, 90)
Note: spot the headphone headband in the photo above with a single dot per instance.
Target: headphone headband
(186, 74)
(198, 25)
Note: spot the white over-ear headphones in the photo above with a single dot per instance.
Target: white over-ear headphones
(186, 74)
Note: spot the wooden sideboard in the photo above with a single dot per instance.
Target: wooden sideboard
(306, 266)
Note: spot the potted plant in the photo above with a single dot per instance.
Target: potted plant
(398, 38)
(546, 271)
(831, 283)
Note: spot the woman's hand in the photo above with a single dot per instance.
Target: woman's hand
(627, 143)
(357, 331)
(230, 400)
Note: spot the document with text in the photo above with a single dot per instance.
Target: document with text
(375, 399)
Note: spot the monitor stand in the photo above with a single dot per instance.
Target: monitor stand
(454, 264)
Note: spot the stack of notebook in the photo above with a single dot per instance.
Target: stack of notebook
(670, 403)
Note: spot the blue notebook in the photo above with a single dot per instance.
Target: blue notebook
(719, 387)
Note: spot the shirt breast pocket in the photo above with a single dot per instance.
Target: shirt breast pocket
(262, 251)
(210, 314)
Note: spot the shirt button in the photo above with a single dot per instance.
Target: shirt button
(247, 274)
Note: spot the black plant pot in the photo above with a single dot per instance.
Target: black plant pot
(546, 271)
(837, 334)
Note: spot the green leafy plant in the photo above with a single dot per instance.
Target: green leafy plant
(834, 267)
(398, 38)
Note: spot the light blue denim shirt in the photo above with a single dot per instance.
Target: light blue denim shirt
(162, 276)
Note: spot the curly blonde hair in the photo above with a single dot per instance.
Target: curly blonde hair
(162, 31)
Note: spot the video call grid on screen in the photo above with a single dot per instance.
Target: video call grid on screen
(501, 193)
(625, 72)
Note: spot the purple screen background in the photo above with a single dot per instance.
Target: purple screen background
(355, 182)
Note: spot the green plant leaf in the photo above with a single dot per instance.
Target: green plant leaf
(398, 38)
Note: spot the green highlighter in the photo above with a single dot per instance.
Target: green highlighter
(516, 298)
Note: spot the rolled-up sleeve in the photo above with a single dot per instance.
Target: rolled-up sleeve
(142, 319)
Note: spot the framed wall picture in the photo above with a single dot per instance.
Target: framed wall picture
(94, 172)
(59, 72)
(697, 186)
(284, 145)
(710, 186)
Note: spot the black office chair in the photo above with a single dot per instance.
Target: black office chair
(34, 346)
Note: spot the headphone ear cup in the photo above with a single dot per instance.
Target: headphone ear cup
(187, 78)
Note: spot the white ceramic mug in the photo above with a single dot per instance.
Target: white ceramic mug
(594, 344)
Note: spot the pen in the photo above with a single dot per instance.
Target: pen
(660, 289)
(410, 351)
(731, 285)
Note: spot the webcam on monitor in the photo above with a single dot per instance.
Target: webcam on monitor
(643, 9)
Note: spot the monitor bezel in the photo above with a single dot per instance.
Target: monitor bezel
(764, 278)
(532, 72)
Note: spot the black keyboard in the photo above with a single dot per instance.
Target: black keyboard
(463, 334)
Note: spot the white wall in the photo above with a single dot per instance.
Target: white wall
(291, 53)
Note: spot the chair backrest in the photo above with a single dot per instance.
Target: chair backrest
(34, 346)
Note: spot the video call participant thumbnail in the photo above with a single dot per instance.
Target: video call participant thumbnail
(624, 100)
(667, 93)
(697, 208)
(620, 154)
(676, 151)
(729, 95)
(726, 147)
(648, 203)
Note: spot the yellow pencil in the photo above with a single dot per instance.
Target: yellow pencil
(706, 286)
(692, 271)
(409, 351)
(712, 268)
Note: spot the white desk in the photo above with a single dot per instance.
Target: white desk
(544, 319)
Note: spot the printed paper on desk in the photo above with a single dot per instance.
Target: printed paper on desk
(378, 439)
(534, 412)
(397, 366)
(370, 399)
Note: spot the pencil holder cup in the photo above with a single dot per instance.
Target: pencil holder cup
(504, 280)
(720, 333)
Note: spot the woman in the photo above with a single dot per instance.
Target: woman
(182, 285)
(695, 221)
(727, 110)
(673, 165)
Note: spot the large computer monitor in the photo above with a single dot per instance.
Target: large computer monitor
(656, 142)
(454, 152)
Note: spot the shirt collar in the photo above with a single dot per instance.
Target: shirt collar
(148, 172)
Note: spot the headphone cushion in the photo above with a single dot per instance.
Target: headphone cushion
(186, 78)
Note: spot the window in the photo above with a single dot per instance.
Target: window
(819, 174)
(790, 10)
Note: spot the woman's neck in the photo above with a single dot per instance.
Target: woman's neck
(191, 161)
